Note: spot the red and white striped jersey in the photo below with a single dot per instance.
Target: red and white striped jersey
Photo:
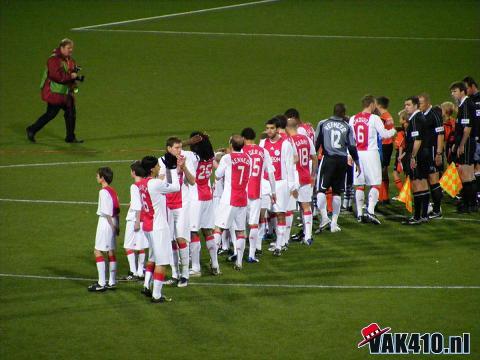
(202, 189)
(148, 212)
(235, 168)
(158, 188)
(281, 153)
(305, 148)
(307, 130)
(366, 128)
(261, 163)
(108, 204)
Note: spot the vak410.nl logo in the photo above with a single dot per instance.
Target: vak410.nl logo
(383, 341)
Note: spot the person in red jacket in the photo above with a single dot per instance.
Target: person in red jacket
(58, 85)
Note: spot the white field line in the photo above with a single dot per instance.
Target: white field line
(64, 163)
(125, 204)
(304, 36)
(166, 16)
(287, 286)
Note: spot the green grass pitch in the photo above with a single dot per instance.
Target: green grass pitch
(143, 85)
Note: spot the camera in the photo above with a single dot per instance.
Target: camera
(76, 69)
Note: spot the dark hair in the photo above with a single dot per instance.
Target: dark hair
(282, 121)
(148, 163)
(106, 173)
(458, 85)
(367, 100)
(138, 169)
(237, 142)
(383, 101)
(173, 140)
(204, 148)
(292, 113)
(470, 81)
(425, 96)
(339, 110)
(414, 100)
(272, 121)
(248, 133)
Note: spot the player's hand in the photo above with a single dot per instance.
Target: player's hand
(358, 170)
(181, 161)
(73, 75)
(438, 160)
(194, 140)
(136, 227)
(294, 193)
(312, 180)
(413, 163)
(460, 150)
(274, 198)
(401, 156)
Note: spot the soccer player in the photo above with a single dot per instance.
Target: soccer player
(107, 229)
(303, 128)
(201, 205)
(474, 95)
(433, 144)
(281, 153)
(306, 168)
(160, 236)
(387, 146)
(261, 163)
(135, 240)
(336, 139)
(367, 127)
(415, 165)
(235, 168)
(178, 206)
(464, 149)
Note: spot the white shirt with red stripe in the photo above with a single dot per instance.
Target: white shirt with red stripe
(135, 203)
(307, 130)
(281, 153)
(305, 149)
(261, 164)
(202, 189)
(147, 213)
(366, 128)
(158, 188)
(235, 168)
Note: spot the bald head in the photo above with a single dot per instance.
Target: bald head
(237, 142)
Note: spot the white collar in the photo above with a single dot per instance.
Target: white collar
(462, 101)
(414, 113)
(428, 110)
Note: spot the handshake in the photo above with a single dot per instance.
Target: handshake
(172, 162)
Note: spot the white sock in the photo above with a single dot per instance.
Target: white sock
(148, 275)
(322, 205)
(372, 199)
(240, 249)
(212, 249)
(288, 229)
(261, 233)
(359, 201)
(336, 203)
(140, 262)
(174, 266)
(307, 227)
(112, 269)
(225, 240)
(281, 229)
(252, 241)
(184, 254)
(233, 239)
(195, 253)
(101, 270)
(157, 285)
(131, 261)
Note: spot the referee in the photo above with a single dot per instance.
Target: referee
(416, 162)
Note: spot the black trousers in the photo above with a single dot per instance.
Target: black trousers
(52, 111)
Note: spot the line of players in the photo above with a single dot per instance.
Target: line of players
(173, 200)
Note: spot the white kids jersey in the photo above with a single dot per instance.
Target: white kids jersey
(105, 203)
(281, 153)
(235, 169)
(366, 128)
(261, 164)
(157, 189)
(135, 202)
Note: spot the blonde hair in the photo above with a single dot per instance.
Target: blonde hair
(65, 42)
(403, 115)
(448, 109)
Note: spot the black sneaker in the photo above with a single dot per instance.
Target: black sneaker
(277, 252)
(372, 218)
(232, 258)
(30, 135)
(435, 215)
(298, 236)
(111, 287)
(161, 299)
(183, 282)
(130, 277)
(412, 221)
(74, 141)
(96, 287)
(284, 247)
(258, 253)
(171, 282)
(147, 292)
(222, 251)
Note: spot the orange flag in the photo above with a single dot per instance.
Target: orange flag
(405, 195)
(450, 181)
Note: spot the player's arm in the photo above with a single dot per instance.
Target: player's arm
(220, 172)
(352, 149)
(106, 205)
(319, 137)
(289, 166)
(467, 121)
(136, 205)
(165, 186)
(314, 158)
(270, 169)
(384, 133)
(440, 132)
(187, 169)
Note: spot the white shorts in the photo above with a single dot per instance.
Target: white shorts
(371, 168)
(161, 246)
(201, 215)
(253, 210)
(104, 238)
(148, 236)
(134, 240)
(231, 217)
(283, 197)
(179, 224)
(292, 204)
(305, 193)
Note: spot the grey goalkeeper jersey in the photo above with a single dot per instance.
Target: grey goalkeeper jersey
(335, 136)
